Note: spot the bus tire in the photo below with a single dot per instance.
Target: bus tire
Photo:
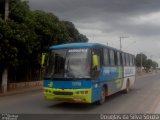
(127, 87)
(102, 96)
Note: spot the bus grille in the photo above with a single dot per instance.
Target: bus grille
(62, 93)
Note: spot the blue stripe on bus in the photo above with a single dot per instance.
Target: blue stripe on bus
(64, 84)
(108, 75)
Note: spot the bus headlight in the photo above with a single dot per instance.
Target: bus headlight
(82, 92)
(77, 92)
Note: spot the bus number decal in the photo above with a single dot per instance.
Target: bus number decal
(77, 50)
(76, 84)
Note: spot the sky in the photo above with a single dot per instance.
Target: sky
(137, 22)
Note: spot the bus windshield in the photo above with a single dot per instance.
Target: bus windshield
(68, 63)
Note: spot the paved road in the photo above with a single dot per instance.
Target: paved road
(144, 98)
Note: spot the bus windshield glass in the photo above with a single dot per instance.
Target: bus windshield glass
(68, 63)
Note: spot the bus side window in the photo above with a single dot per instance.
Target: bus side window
(130, 59)
(123, 59)
(127, 59)
(115, 58)
(106, 57)
(96, 60)
(133, 60)
(118, 59)
(112, 59)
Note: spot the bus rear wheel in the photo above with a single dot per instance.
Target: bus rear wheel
(102, 96)
(127, 87)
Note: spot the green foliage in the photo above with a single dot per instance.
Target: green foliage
(18, 10)
(28, 33)
(146, 63)
(46, 29)
(73, 34)
(141, 59)
(8, 51)
(82, 38)
(154, 64)
(2, 8)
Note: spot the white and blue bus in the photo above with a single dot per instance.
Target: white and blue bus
(87, 72)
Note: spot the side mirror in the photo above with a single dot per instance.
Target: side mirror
(95, 62)
(43, 58)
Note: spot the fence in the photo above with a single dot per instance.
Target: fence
(20, 85)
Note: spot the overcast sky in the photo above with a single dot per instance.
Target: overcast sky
(104, 21)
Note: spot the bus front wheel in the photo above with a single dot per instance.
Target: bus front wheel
(102, 96)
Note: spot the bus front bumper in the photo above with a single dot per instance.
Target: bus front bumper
(68, 95)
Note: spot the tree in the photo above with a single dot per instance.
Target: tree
(2, 9)
(8, 52)
(154, 64)
(148, 64)
(47, 28)
(82, 38)
(18, 10)
(141, 59)
(27, 34)
(74, 33)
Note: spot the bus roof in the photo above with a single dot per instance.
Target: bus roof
(78, 45)
(73, 45)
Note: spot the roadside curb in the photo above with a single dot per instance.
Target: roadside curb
(21, 91)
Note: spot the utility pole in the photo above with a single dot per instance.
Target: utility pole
(5, 71)
(141, 62)
(121, 41)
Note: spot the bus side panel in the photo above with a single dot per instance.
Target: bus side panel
(112, 77)
(129, 74)
(132, 81)
(105, 78)
(97, 87)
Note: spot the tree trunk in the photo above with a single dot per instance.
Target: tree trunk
(4, 80)
(6, 9)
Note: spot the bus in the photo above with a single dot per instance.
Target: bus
(87, 72)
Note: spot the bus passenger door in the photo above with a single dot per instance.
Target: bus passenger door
(95, 73)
